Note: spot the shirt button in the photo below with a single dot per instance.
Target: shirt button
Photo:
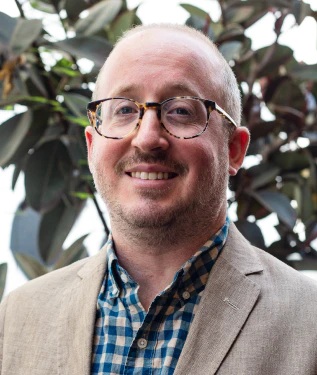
(142, 343)
(186, 294)
(124, 277)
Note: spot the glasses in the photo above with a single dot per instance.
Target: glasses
(182, 117)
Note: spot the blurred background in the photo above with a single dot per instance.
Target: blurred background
(50, 54)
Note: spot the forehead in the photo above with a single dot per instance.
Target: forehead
(160, 63)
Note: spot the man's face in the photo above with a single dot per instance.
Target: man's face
(151, 179)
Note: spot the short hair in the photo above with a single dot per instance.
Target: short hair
(229, 90)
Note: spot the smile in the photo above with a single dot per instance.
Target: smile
(152, 175)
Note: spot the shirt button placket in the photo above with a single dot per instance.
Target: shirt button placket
(186, 295)
(142, 343)
(124, 278)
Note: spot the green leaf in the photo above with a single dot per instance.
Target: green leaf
(47, 174)
(56, 3)
(24, 34)
(288, 189)
(3, 276)
(38, 127)
(301, 10)
(74, 8)
(36, 79)
(288, 93)
(303, 196)
(77, 150)
(122, 23)
(8, 25)
(16, 175)
(263, 129)
(231, 50)
(277, 55)
(12, 134)
(29, 266)
(238, 14)
(207, 27)
(76, 103)
(262, 175)
(81, 121)
(93, 48)
(248, 206)
(100, 15)
(55, 226)
(194, 11)
(311, 232)
(251, 232)
(43, 6)
(278, 203)
(81, 195)
(304, 72)
(68, 72)
(75, 252)
(27, 100)
(291, 160)
(201, 20)
(234, 33)
(247, 12)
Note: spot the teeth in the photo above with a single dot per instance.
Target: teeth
(150, 175)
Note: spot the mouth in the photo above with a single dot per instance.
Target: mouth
(142, 175)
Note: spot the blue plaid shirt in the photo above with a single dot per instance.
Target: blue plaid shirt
(129, 340)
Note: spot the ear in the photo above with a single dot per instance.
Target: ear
(89, 141)
(238, 146)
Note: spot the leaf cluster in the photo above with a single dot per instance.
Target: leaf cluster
(45, 84)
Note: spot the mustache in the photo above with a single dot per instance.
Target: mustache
(160, 157)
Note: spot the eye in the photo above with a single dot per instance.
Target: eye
(125, 108)
(180, 108)
(180, 111)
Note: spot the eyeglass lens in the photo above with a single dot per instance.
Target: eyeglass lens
(181, 117)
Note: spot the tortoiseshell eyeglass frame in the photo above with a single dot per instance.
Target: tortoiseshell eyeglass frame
(209, 105)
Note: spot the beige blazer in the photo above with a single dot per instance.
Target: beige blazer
(256, 317)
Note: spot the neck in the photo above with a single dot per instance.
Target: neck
(153, 256)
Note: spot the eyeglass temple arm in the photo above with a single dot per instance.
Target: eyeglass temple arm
(215, 107)
(223, 113)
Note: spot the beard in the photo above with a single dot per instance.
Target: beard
(182, 219)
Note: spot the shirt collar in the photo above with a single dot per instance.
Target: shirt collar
(190, 278)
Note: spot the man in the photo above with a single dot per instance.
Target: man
(177, 289)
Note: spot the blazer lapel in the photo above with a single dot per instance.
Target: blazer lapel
(227, 301)
(226, 304)
(78, 317)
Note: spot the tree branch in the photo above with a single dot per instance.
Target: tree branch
(90, 191)
(20, 8)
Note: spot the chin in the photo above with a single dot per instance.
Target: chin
(149, 217)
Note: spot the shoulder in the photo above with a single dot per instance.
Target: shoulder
(274, 277)
(286, 278)
(58, 281)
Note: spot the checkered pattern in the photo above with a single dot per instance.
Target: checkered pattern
(129, 340)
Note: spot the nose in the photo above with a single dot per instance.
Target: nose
(150, 135)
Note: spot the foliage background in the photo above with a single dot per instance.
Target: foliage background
(43, 78)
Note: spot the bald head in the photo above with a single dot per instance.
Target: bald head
(215, 70)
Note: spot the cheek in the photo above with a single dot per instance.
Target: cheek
(204, 154)
(210, 159)
(104, 154)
